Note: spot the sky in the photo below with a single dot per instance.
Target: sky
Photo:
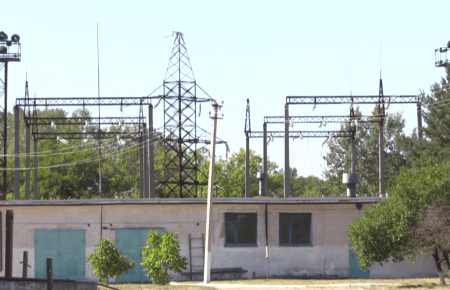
(260, 50)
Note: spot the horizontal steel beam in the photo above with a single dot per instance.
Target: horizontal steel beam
(302, 134)
(319, 119)
(83, 135)
(104, 101)
(401, 99)
(82, 121)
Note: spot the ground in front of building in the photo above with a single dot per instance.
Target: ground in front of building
(280, 284)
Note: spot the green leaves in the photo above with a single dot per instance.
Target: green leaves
(161, 255)
(108, 261)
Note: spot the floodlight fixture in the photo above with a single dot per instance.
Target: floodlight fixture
(3, 50)
(15, 38)
(448, 44)
(3, 36)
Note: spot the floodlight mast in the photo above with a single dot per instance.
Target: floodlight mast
(10, 51)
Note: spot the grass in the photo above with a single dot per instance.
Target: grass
(426, 283)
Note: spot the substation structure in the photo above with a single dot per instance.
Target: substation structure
(381, 101)
(37, 124)
(10, 51)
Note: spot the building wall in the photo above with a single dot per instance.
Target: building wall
(328, 255)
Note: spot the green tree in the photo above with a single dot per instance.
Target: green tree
(367, 138)
(108, 261)
(385, 229)
(160, 255)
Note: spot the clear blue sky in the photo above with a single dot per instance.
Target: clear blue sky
(262, 50)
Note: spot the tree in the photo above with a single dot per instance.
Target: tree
(431, 233)
(367, 138)
(385, 229)
(108, 261)
(160, 255)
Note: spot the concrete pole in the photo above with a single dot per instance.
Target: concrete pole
(146, 186)
(247, 166)
(209, 207)
(287, 184)
(35, 165)
(353, 153)
(266, 177)
(28, 163)
(17, 154)
(419, 121)
(9, 243)
(381, 156)
(151, 155)
(141, 168)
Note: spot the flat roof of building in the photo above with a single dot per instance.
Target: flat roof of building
(254, 200)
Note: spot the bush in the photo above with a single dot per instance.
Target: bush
(108, 261)
(161, 255)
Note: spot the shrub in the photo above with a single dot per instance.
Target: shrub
(108, 261)
(161, 255)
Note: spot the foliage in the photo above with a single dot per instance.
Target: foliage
(108, 261)
(367, 139)
(160, 255)
(385, 229)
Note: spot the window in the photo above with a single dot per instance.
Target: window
(295, 229)
(240, 229)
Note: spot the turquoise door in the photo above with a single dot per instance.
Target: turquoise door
(66, 248)
(355, 270)
(130, 242)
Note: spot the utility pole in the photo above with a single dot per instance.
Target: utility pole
(381, 115)
(287, 183)
(247, 130)
(17, 154)
(209, 207)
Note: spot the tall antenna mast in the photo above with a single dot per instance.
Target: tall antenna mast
(99, 128)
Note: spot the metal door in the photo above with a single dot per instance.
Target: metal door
(355, 270)
(130, 242)
(66, 248)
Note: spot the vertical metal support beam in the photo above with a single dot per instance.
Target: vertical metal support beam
(35, 165)
(353, 153)
(9, 243)
(247, 166)
(419, 120)
(287, 184)
(49, 274)
(190, 258)
(381, 158)
(27, 163)
(25, 265)
(265, 180)
(209, 206)
(5, 135)
(267, 242)
(151, 156)
(17, 154)
(145, 158)
(141, 168)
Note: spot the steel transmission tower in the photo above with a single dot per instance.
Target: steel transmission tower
(180, 124)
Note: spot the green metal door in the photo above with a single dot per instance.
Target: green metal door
(130, 242)
(355, 270)
(66, 248)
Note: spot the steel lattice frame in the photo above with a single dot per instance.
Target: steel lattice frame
(180, 128)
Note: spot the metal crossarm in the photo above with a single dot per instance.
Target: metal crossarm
(320, 119)
(302, 134)
(91, 120)
(103, 101)
(400, 99)
(86, 135)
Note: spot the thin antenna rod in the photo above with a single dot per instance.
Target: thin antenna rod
(380, 59)
(99, 129)
(350, 80)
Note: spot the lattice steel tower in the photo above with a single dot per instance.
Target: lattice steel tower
(180, 128)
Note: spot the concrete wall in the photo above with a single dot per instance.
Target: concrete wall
(42, 285)
(328, 255)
